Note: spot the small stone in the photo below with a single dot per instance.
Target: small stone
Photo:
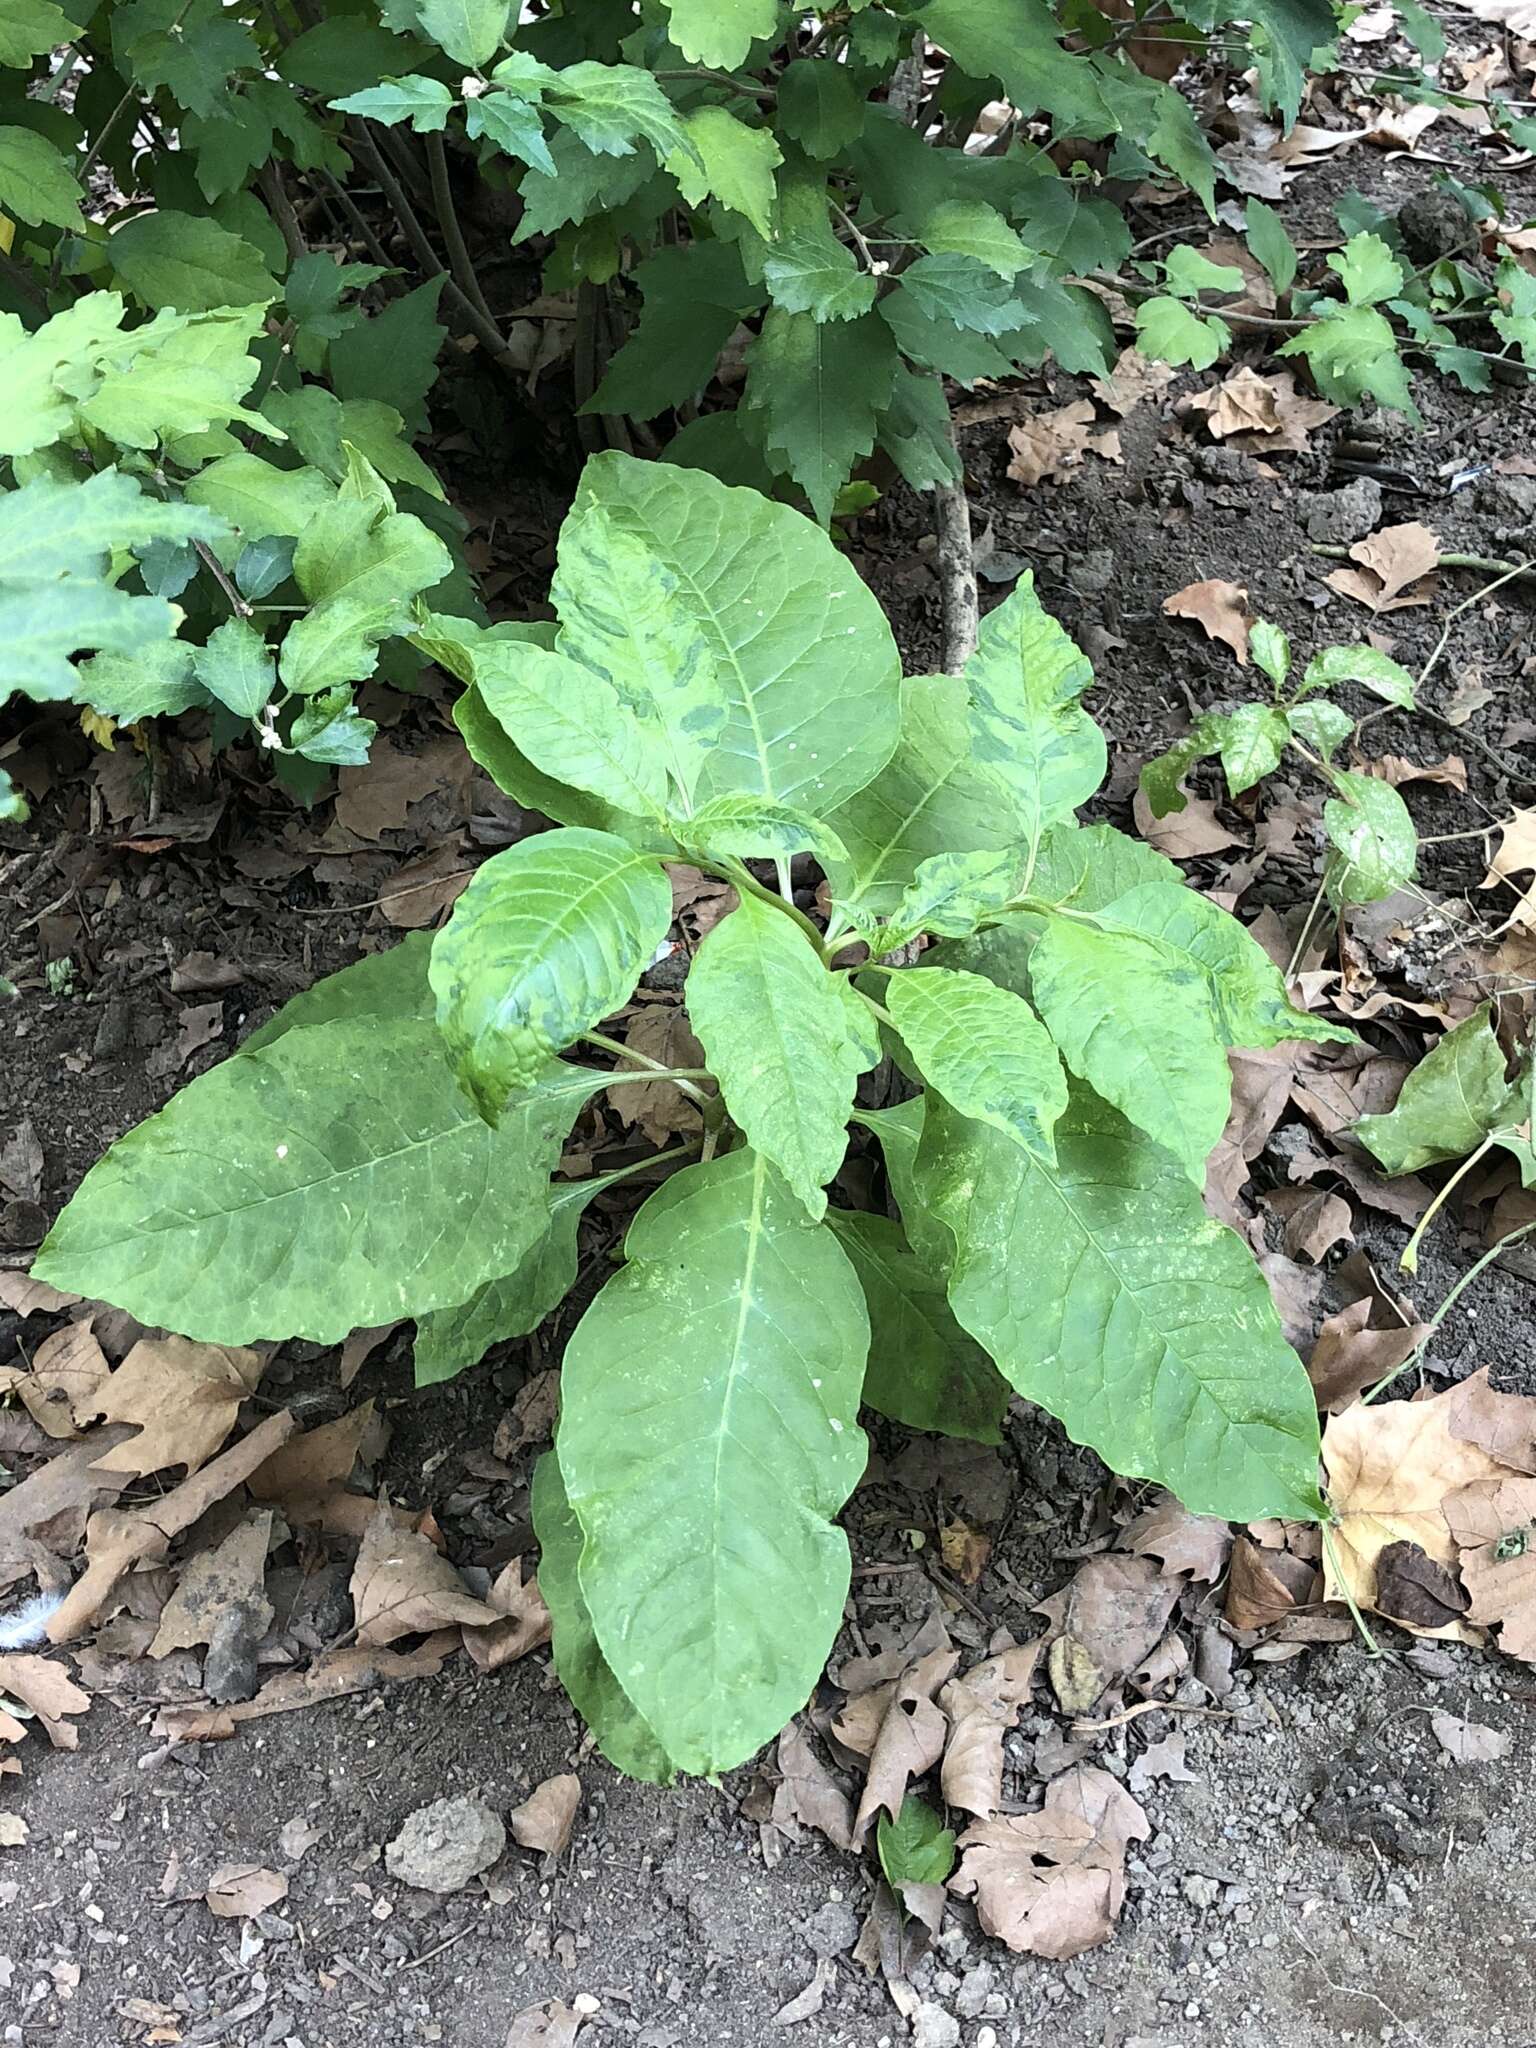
(1345, 514)
(1201, 1892)
(975, 1990)
(833, 1930)
(442, 1846)
(933, 2027)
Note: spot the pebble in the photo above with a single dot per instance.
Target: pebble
(933, 2027)
(442, 1846)
(832, 1930)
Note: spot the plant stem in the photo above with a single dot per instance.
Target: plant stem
(959, 599)
(649, 1069)
(1505, 571)
(453, 233)
(1372, 1646)
(740, 877)
(1409, 1262)
(747, 90)
(1416, 1355)
(1306, 933)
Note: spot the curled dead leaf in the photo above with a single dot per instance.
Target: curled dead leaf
(183, 1396)
(982, 1706)
(543, 1821)
(402, 1586)
(1219, 608)
(48, 1691)
(1394, 568)
(1052, 1883)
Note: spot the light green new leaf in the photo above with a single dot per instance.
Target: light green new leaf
(738, 598)
(609, 106)
(178, 375)
(156, 682)
(1108, 1296)
(756, 828)
(720, 32)
(617, 1728)
(1190, 272)
(772, 1021)
(336, 1178)
(815, 389)
(1368, 270)
(950, 895)
(1135, 1021)
(1450, 1103)
(1270, 244)
(1381, 675)
(30, 28)
(1087, 867)
(916, 1847)
(332, 731)
(924, 1371)
(1352, 353)
(237, 667)
(1169, 332)
(468, 31)
(705, 1470)
(1253, 740)
(42, 624)
(1026, 680)
(1269, 646)
(425, 102)
(1372, 832)
(513, 126)
(259, 499)
(36, 184)
(333, 646)
(728, 161)
(1322, 725)
(969, 227)
(929, 800)
(572, 724)
(548, 939)
(984, 1049)
(183, 262)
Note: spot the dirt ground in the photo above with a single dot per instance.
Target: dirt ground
(1320, 1871)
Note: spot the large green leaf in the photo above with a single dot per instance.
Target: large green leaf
(1136, 1023)
(548, 939)
(815, 390)
(929, 799)
(611, 107)
(772, 1020)
(1087, 867)
(762, 607)
(177, 260)
(1026, 680)
(335, 1178)
(1108, 1296)
(708, 1435)
(1376, 848)
(391, 988)
(615, 1722)
(735, 166)
(984, 1049)
(1454, 1098)
(42, 624)
(37, 185)
(924, 1371)
(571, 723)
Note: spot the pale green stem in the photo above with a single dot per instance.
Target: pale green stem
(1409, 1262)
(1350, 1601)
(1416, 1355)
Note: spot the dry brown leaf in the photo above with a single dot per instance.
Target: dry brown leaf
(1162, 1761)
(184, 1397)
(1399, 124)
(1187, 1545)
(1133, 378)
(1395, 565)
(1493, 1520)
(524, 1625)
(332, 1676)
(1350, 1355)
(1297, 417)
(49, 1691)
(1391, 1467)
(1412, 1587)
(231, 1577)
(1114, 1614)
(374, 800)
(1243, 403)
(1314, 1220)
(543, 1821)
(418, 893)
(964, 1550)
(546, 2026)
(360, 1347)
(1186, 834)
(1265, 1586)
(402, 1586)
(1470, 696)
(1393, 768)
(659, 1108)
(315, 1461)
(68, 1370)
(13, 1831)
(27, 1297)
(57, 1496)
(807, 1794)
(115, 1541)
(1220, 608)
(239, 1891)
(1469, 1743)
(1516, 856)
(982, 1706)
(532, 1418)
(1053, 444)
(1504, 1425)
(1052, 1883)
(910, 1741)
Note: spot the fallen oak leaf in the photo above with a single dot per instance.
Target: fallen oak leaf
(1052, 444)
(543, 1821)
(1134, 378)
(1244, 402)
(1395, 565)
(1219, 608)
(1183, 834)
(184, 1397)
(1396, 770)
(1187, 1545)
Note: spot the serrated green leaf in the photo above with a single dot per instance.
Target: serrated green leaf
(42, 624)
(177, 376)
(915, 431)
(157, 681)
(468, 31)
(1368, 270)
(1252, 743)
(813, 272)
(1381, 675)
(1026, 680)
(1016, 42)
(259, 499)
(951, 893)
(1190, 272)
(815, 390)
(425, 102)
(1135, 1022)
(30, 28)
(769, 1015)
(728, 161)
(722, 591)
(694, 300)
(49, 528)
(331, 731)
(924, 1371)
(36, 184)
(960, 289)
(916, 1847)
(611, 106)
(1352, 353)
(334, 1179)
(756, 828)
(360, 572)
(549, 938)
(581, 184)
(177, 260)
(1106, 1295)
(1270, 245)
(820, 106)
(617, 1727)
(705, 1473)
(236, 666)
(322, 427)
(391, 357)
(983, 1049)
(572, 724)
(937, 344)
(514, 126)
(970, 227)
(720, 32)
(1372, 832)
(1169, 332)
(930, 799)
(13, 811)
(1086, 867)
(1455, 1098)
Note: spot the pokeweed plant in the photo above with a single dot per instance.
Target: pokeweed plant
(1373, 846)
(722, 690)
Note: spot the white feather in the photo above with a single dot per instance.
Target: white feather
(27, 1626)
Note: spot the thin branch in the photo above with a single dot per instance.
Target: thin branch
(453, 233)
(959, 598)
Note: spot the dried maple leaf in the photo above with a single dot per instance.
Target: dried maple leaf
(68, 1370)
(1133, 378)
(1393, 768)
(1244, 403)
(525, 1623)
(910, 1740)
(1399, 124)
(312, 1463)
(543, 1821)
(1516, 856)
(49, 1691)
(1504, 1425)
(659, 1108)
(1052, 1883)
(1187, 1545)
(402, 1586)
(1350, 1355)
(1395, 565)
(982, 1706)
(1053, 444)
(1219, 607)
(184, 1397)
(1391, 1467)
(1494, 1521)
